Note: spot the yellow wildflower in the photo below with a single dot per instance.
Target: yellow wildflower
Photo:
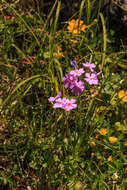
(125, 144)
(110, 158)
(92, 143)
(76, 26)
(103, 131)
(122, 95)
(113, 139)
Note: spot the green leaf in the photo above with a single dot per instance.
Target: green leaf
(120, 127)
(123, 66)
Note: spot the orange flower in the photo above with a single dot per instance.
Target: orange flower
(103, 131)
(92, 154)
(96, 137)
(59, 54)
(76, 26)
(110, 158)
(113, 139)
(122, 95)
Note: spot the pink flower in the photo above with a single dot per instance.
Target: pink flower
(70, 104)
(77, 72)
(68, 80)
(63, 103)
(32, 58)
(89, 66)
(52, 99)
(6, 17)
(42, 62)
(25, 61)
(78, 87)
(91, 79)
(60, 103)
(12, 18)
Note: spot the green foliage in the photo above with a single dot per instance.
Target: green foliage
(46, 148)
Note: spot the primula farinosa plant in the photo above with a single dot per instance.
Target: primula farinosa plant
(77, 86)
(63, 103)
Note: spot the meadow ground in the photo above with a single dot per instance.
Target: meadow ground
(63, 98)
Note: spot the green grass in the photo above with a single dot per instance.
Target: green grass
(43, 148)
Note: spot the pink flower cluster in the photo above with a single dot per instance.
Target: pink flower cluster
(77, 86)
(12, 18)
(25, 60)
(63, 103)
(70, 80)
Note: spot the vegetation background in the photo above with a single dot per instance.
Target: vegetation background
(43, 148)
